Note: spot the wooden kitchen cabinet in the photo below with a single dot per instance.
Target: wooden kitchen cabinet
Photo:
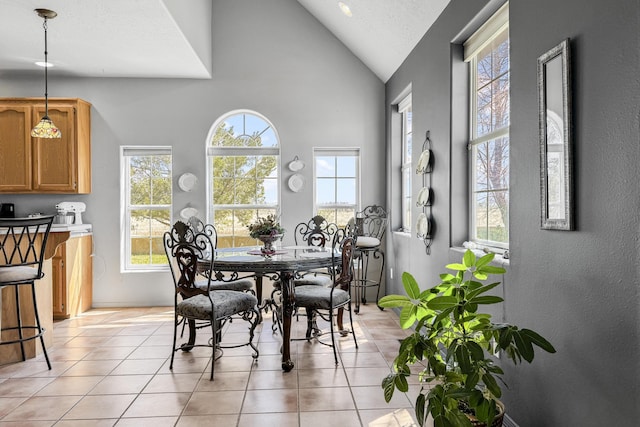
(38, 165)
(72, 274)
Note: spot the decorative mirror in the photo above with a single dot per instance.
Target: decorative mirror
(556, 159)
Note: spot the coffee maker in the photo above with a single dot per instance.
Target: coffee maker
(7, 210)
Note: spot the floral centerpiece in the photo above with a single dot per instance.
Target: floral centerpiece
(267, 230)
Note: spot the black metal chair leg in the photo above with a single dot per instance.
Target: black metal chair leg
(41, 330)
(19, 322)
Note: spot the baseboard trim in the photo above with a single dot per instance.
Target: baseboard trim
(508, 422)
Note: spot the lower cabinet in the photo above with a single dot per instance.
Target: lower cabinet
(72, 274)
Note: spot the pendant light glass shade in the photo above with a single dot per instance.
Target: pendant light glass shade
(45, 127)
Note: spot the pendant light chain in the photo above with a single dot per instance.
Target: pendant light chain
(46, 66)
(45, 127)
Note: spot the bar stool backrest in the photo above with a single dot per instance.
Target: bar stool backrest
(370, 222)
(23, 242)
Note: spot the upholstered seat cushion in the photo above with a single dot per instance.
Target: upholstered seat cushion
(367, 242)
(225, 303)
(218, 285)
(319, 297)
(312, 280)
(18, 274)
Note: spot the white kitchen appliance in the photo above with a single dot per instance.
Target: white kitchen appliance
(72, 207)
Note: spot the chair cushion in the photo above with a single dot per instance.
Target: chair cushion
(367, 242)
(225, 303)
(18, 274)
(218, 285)
(311, 280)
(319, 297)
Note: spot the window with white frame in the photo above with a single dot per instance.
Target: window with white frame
(242, 175)
(487, 51)
(146, 206)
(405, 110)
(337, 184)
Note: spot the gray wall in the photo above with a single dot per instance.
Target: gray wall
(579, 289)
(270, 56)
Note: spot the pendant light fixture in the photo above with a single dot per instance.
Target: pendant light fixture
(45, 127)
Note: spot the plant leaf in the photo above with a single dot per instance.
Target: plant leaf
(492, 269)
(442, 303)
(407, 316)
(390, 301)
(401, 383)
(477, 353)
(469, 258)
(421, 402)
(388, 387)
(524, 346)
(486, 299)
(485, 259)
(457, 267)
(491, 384)
(410, 285)
(538, 340)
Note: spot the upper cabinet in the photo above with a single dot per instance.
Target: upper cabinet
(37, 165)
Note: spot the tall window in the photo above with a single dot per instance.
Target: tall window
(405, 110)
(242, 168)
(488, 53)
(146, 206)
(337, 183)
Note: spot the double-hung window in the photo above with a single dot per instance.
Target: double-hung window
(242, 168)
(146, 201)
(337, 183)
(405, 111)
(487, 51)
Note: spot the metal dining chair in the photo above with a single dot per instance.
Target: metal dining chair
(317, 232)
(22, 248)
(245, 285)
(184, 247)
(330, 302)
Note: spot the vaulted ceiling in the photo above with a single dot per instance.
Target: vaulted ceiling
(171, 38)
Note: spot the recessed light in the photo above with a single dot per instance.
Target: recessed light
(44, 64)
(345, 9)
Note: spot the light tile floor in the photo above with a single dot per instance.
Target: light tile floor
(111, 368)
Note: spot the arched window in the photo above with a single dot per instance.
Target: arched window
(243, 156)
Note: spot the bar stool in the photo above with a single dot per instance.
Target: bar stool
(369, 227)
(22, 246)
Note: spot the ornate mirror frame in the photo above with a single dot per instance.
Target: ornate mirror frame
(556, 151)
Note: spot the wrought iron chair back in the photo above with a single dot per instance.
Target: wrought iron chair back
(184, 246)
(344, 270)
(316, 232)
(371, 222)
(208, 229)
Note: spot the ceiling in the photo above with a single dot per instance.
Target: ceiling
(164, 38)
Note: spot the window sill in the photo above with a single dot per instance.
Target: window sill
(499, 259)
(403, 234)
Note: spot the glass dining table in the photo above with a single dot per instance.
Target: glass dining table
(236, 263)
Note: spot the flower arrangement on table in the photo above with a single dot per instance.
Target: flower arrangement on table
(266, 229)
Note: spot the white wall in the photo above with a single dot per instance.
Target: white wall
(269, 56)
(579, 289)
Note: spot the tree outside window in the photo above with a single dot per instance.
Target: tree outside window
(147, 206)
(243, 176)
(490, 143)
(337, 184)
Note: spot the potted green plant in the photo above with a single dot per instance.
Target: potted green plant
(453, 345)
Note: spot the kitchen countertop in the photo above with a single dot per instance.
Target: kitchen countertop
(73, 228)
